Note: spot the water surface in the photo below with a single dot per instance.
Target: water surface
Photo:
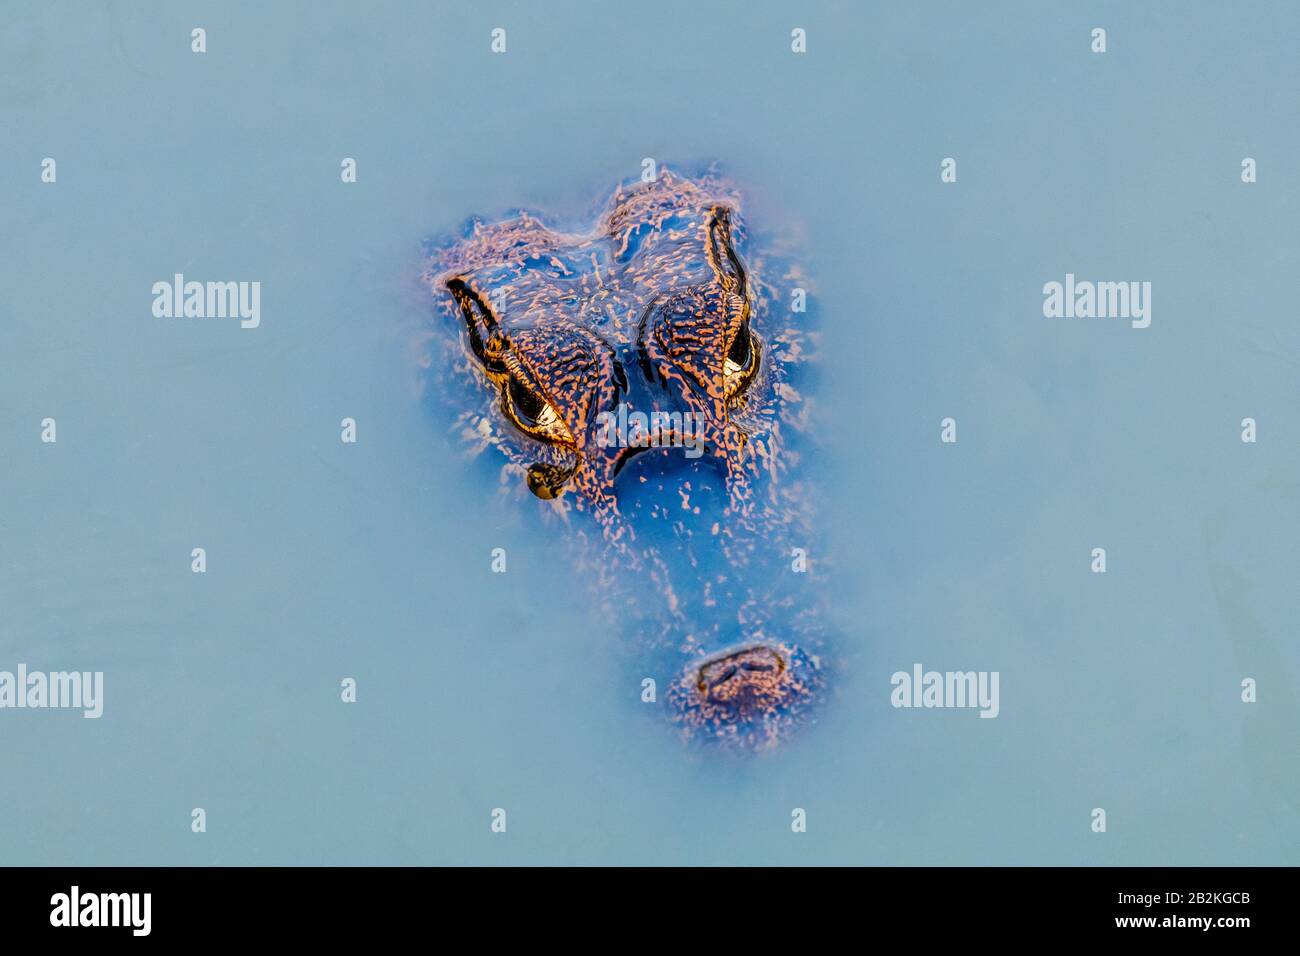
(371, 560)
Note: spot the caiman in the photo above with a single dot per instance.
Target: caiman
(639, 375)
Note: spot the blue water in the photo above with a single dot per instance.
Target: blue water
(371, 560)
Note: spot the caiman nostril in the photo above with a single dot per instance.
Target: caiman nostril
(751, 695)
(755, 667)
(722, 678)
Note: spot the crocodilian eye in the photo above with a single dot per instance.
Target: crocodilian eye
(534, 414)
(741, 361)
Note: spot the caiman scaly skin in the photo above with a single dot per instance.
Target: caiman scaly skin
(657, 308)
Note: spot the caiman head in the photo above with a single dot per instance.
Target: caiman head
(629, 371)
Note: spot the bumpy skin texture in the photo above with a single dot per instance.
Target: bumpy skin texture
(656, 308)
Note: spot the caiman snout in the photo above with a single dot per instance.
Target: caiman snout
(750, 696)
